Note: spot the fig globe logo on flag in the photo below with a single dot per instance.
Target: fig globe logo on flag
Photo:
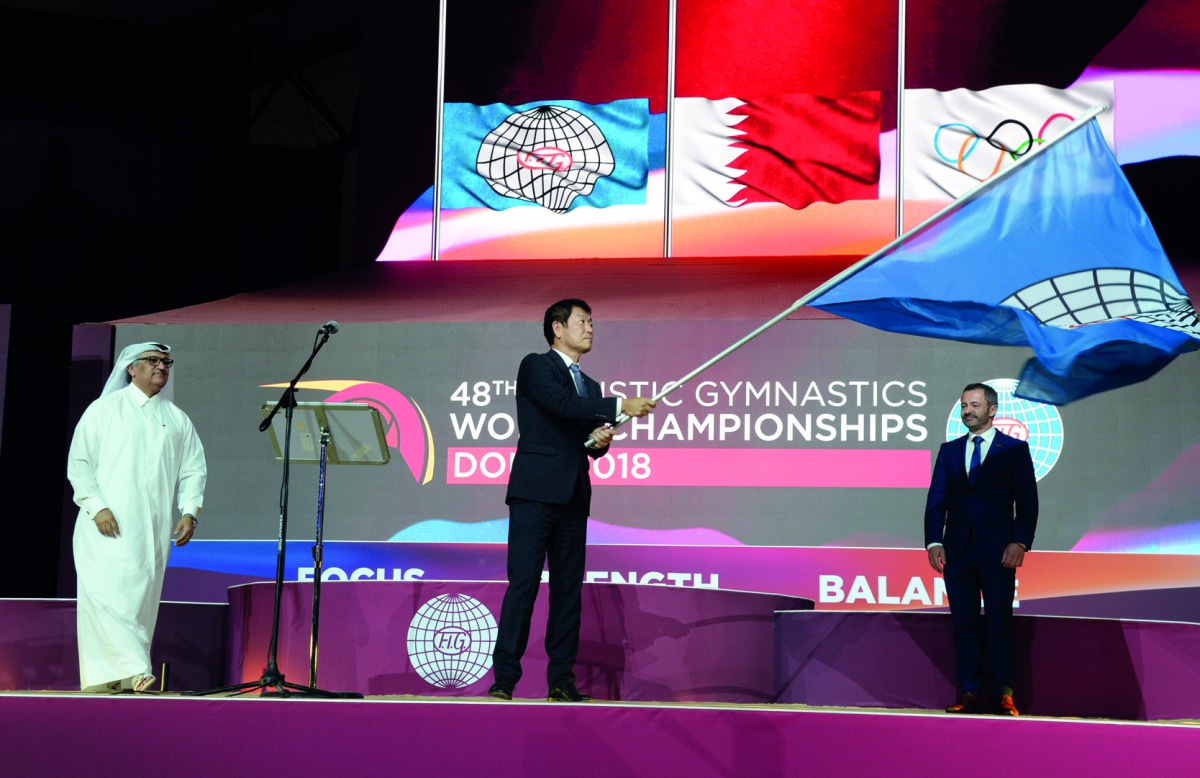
(1098, 295)
(1037, 424)
(548, 155)
(559, 155)
(406, 429)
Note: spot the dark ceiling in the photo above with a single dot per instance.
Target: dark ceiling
(220, 137)
(298, 60)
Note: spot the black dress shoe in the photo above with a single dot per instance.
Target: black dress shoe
(501, 691)
(567, 694)
(968, 702)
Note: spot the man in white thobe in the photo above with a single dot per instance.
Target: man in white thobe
(132, 451)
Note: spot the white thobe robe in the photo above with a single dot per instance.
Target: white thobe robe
(130, 453)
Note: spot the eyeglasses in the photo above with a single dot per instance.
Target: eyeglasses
(156, 361)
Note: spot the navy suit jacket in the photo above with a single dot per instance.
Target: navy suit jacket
(981, 520)
(554, 422)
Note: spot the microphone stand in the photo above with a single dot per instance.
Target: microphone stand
(318, 554)
(272, 678)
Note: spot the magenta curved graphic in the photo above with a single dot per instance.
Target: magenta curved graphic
(406, 428)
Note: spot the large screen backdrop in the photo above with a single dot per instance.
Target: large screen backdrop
(750, 127)
(797, 465)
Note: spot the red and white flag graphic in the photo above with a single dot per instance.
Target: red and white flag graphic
(792, 149)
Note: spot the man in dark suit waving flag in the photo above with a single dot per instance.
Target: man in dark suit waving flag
(549, 496)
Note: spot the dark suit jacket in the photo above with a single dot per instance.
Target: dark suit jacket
(554, 422)
(981, 520)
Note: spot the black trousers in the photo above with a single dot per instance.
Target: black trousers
(967, 579)
(539, 533)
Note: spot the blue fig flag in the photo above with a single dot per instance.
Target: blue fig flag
(560, 155)
(1057, 255)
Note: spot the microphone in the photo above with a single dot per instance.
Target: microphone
(330, 328)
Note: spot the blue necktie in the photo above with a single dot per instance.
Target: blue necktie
(976, 460)
(579, 385)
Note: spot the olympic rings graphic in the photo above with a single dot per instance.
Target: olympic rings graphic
(971, 143)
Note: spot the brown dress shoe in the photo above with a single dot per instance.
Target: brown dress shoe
(968, 702)
(1006, 707)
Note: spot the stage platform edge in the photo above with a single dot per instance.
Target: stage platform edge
(250, 736)
(1112, 668)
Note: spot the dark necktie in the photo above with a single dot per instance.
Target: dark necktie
(579, 385)
(976, 459)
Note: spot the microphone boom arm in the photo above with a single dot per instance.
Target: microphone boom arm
(289, 394)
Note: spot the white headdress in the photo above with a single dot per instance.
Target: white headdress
(119, 379)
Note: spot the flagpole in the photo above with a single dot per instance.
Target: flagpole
(436, 235)
(668, 157)
(900, 48)
(868, 260)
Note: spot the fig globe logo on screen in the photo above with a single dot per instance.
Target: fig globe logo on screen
(1037, 424)
(548, 155)
(406, 429)
(450, 641)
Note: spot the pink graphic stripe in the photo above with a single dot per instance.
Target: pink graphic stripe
(754, 467)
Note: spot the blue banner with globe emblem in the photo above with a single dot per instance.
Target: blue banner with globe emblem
(1058, 255)
(555, 154)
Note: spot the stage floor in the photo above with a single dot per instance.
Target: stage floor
(125, 734)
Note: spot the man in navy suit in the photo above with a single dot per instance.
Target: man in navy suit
(549, 497)
(980, 517)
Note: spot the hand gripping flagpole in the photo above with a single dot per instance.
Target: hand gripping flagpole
(866, 261)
